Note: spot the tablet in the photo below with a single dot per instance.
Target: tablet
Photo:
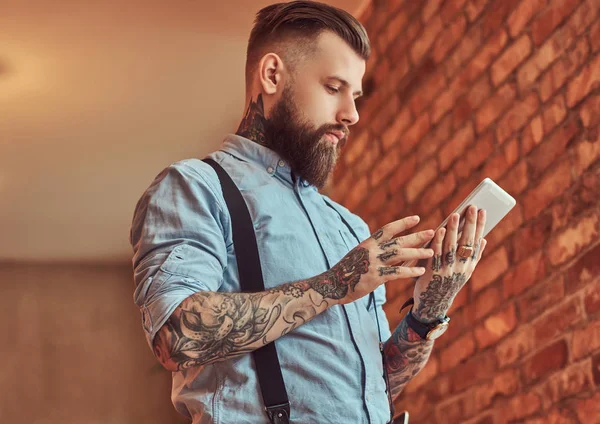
(487, 195)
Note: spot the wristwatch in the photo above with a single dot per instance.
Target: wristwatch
(427, 331)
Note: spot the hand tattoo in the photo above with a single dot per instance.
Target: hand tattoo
(435, 301)
(387, 255)
(450, 257)
(436, 263)
(378, 234)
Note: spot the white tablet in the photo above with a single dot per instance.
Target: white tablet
(487, 195)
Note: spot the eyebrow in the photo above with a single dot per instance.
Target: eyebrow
(346, 84)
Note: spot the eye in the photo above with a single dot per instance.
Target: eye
(332, 89)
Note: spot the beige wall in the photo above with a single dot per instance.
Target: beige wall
(73, 349)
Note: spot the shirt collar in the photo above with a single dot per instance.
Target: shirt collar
(250, 151)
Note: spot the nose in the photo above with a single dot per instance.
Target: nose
(348, 114)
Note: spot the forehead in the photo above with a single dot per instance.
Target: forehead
(335, 57)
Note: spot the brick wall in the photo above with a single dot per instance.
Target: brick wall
(459, 90)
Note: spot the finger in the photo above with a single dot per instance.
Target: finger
(411, 240)
(481, 218)
(449, 251)
(468, 234)
(394, 272)
(390, 230)
(436, 246)
(394, 256)
(481, 249)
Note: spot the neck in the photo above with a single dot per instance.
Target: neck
(252, 126)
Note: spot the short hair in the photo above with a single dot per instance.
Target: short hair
(291, 30)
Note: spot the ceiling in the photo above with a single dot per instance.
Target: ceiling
(96, 98)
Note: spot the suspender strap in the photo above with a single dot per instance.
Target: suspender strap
(266, 361)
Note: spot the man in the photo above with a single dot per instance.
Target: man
(305, 64)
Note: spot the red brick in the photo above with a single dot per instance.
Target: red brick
(552, 148)
(474, 8)
(579, 200)
(572, 380)
(588, 410)
(367, 161)
(524, 275)
(357, 195)
(450, 8)
(531, 237)
(427, 91)
(471, 100)
(485, 56)
(448, 38)
(583, 272)
(503, 384)
(568, 243)
(425, 40)
(356, 146)
(402, 174)
(384, 117)
(541, 298)
(591, 297)
(464, 50)
(552, 184)
(515, 181)
(442, 188)
(502, 160)
(457, 352)
(551, 18)
(474, 156)
(477, 368)
(532, 134)
(491, 267)
(505, 228)
(586, 153)
(451, 410)
(486, 301)
(510, 59)
(586, 340)
(517, 116)
(518, 407)
(515, 346)
(596, 369)
(587, 80)
(590, 111)
(414, 133)
(544, 57)
(431, 142)
(495, 327)
(392, 29)
(595, 36)
(421, 179)
(552, 358)
(455, 146)
(376, 200)
(562, 70)
(557, 320)
(392, 134)
(554, 416)
(522, 14)
(494, 106)
(495, 15)
(388, 163)
(429, 9)
(554, 113)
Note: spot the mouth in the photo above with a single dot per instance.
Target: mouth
(334, 137)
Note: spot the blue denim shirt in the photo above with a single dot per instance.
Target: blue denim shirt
(182, 242)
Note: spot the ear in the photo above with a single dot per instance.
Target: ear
(271, 72)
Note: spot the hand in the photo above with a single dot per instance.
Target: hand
(447, 272)
(375, 261)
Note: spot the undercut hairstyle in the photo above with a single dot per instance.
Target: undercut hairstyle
(291, 31)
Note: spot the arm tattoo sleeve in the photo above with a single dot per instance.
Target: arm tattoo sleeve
(405, 354)
(213, 326)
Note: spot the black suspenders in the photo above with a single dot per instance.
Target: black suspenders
(268, 369)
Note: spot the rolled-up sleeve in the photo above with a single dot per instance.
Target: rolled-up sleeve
(178, 235)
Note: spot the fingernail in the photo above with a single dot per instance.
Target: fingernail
(442, 231)
(415, 218)
(422, 270)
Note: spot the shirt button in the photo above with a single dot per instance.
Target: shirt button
(270, 170)
(281, 163)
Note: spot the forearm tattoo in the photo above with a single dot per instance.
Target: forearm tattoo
(435, 301)
(405, 355)
(211, 326)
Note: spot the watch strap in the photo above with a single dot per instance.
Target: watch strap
(421, 328)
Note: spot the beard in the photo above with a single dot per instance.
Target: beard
(306, 150)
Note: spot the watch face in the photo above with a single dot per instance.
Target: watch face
(437, 331)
